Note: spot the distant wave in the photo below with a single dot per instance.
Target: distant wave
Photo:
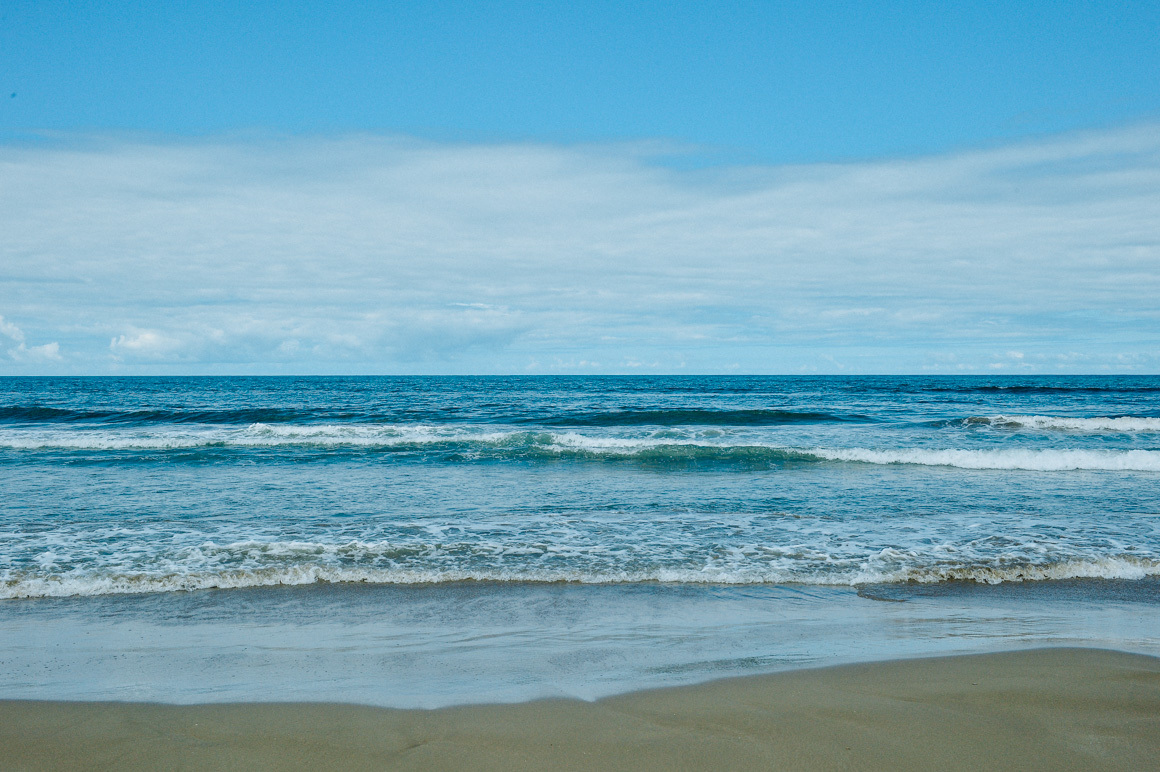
(1124, 424)
(1111, 388)
(261, 435)
(468, 443)
(697, 418)
(35, 414)
(25, 414)
(29, 585)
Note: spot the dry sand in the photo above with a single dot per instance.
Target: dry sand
(1054, 709)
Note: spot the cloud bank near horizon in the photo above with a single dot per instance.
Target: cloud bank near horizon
(387, 254)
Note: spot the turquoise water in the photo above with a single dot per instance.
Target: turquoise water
(661, 521)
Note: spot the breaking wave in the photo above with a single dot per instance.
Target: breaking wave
(1123, 424)
(30, 585)
(556, 445)
(1007, 458)
(677, 447)
(700, 418)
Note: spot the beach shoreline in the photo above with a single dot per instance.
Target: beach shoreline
(460, 644)
(1054, 708)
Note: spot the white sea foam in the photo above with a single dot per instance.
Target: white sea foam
(654, 446)
(254, 435)
(1122, 424)
(1097, 568)
(339, 435)
(1045, 460)
(1006, 458)
(108, 439)
(16, 585)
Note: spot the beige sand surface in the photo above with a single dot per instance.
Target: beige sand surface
(1056, 709)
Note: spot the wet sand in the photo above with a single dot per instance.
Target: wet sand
(1058, 709)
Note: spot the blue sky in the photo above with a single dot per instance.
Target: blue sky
(579, 187)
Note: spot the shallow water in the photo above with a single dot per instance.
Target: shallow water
(463, 643)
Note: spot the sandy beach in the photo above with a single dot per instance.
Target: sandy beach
(1042, 709)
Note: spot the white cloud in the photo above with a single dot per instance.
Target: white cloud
(48, 352)
(145, 344)
(22, 352)
(11, 331)
(372, 253)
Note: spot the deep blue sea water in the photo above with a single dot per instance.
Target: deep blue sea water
(127, 498)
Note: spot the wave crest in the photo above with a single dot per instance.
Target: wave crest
(1014, 459)
(660, 448)
(1121, 424)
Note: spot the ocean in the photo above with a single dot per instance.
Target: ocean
(424, 541)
